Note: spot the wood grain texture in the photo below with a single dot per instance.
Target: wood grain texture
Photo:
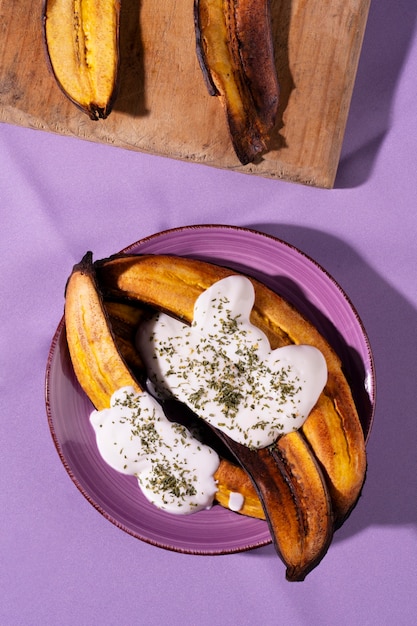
(163, 106)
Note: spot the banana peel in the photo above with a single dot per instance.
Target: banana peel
(236, 55)
(333, 429)
(82, 45)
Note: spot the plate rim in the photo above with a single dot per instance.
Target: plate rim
(61, 328)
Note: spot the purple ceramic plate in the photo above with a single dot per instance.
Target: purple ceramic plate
(283, 268)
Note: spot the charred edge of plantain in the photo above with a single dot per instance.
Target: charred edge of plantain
(295, 572)
(298, 572)
(245, 134)
(201, 57)
(86, 265)
(256, 50)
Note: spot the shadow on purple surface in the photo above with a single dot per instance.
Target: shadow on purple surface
(388, 36)
(391, 323)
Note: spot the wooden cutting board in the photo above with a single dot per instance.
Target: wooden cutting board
(163, 106)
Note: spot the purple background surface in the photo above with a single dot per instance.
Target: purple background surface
(61, 561)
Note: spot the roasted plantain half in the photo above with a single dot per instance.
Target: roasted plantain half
(82, 45)
(236, 54)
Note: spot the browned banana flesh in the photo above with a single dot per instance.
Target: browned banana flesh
(332, 429)
(127, 314)
(236, 54)
(309, 487)
(289, 484)
(82, 45)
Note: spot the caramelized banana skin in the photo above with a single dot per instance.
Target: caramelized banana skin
(236, 54)
(81, 40)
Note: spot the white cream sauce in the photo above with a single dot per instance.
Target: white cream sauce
(174, 470)
(223, 367)
(236, 501)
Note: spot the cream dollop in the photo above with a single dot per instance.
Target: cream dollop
(236, 501)
(223, 367)
(174, 470)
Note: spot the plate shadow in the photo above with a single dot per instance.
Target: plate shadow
(388, 36)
